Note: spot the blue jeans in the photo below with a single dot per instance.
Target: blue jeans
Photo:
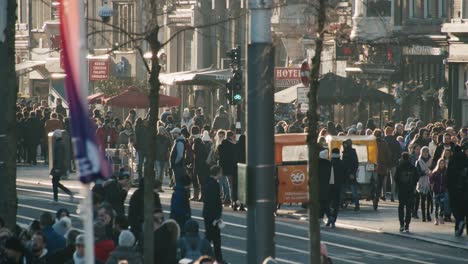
(224, 182)
(439, 201)
(159, 168)
(355, 191)
(447, 210)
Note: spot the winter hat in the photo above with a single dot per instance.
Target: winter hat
(186, 112)
(191, 227)
(63, 226)
(206, 136)
(359, 126)
(126, 239)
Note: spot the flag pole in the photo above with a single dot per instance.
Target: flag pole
(86, 209)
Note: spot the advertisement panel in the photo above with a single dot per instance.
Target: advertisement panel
(292, 184)
(98, 70)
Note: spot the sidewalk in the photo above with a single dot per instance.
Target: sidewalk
(384, 220)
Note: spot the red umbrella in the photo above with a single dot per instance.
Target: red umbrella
(95, 98)
(134, 98)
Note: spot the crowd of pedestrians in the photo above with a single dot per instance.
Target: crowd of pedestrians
(425, 164)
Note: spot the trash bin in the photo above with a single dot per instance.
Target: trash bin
(66, 141)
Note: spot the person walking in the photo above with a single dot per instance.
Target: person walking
(324, 170)
(177, 160)
(438, 184)
(351, 165)
(180, 203)
(212, 211)
(337, 178)
(115, 191)
(59, 166)
(201, 169)
(227, 161)
(141, 145)
(423, 187)
(163, 147)
(406, 178)
(383, 162)
(457, 184)
(395, 154)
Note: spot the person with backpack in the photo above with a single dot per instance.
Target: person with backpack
(192, 246)
(406, 178)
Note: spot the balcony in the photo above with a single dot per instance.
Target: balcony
(457, 27)
(372, 28)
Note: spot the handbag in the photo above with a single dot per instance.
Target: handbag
(423, 186)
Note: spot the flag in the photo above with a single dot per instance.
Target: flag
(91, 162)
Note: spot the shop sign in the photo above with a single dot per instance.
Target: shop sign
(423, 50)
(346, 51)
(98, 70)
(292, 187)
(286, 77)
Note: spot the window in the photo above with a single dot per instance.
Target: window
(464, 9)
(379, 8)
(123, 18)
(416, 9)
(442, 8)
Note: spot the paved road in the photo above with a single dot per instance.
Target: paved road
(344, 246)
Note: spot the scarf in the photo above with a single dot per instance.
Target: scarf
(77, 259)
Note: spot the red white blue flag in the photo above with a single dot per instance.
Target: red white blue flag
(91, 162)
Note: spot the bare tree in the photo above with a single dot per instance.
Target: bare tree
(8, 93)
(314, 227)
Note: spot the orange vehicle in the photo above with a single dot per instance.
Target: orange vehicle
(291, 163)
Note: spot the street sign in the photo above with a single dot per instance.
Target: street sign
(98, 70)
(302, 97)
(286, 77)
(305, 74)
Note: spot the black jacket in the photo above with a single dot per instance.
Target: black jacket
(338, 171)
(221, 121)
(395, 150)
(324, 170)
(63, 255)
(440, 150)
(165, 243)
(227, 157)
(163, 146)
(115, 195)
(212, 207)
(33, 131)
(350, 162)
(136, 210)
(406, 178)
(457, 178)
(125, 253)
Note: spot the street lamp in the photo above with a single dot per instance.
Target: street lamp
(105, 12)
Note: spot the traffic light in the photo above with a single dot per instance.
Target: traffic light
(234, 88)
(235, 55)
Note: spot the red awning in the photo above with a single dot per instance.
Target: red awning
(132, 97)
(96, 98)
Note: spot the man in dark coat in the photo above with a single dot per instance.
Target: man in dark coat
(136, 208)
(66, 254)
(212, 211)
(406, 178)
(32, 137)
(457, 185)
(351, 165)
(337, 179)
(59, 166)
(115, 191)
(395, 153)
(324, 169)
(227, 160)
(445, 144)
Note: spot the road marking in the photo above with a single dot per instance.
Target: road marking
(306, 239)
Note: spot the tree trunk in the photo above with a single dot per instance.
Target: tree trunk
(149, 164)
(8, 93)
(314, 227)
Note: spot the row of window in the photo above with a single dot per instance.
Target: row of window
(415, 8)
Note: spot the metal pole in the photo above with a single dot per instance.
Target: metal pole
(260, 140)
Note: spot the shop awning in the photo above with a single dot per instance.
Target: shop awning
(208, 76)
(28, 66)
(288, 95)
